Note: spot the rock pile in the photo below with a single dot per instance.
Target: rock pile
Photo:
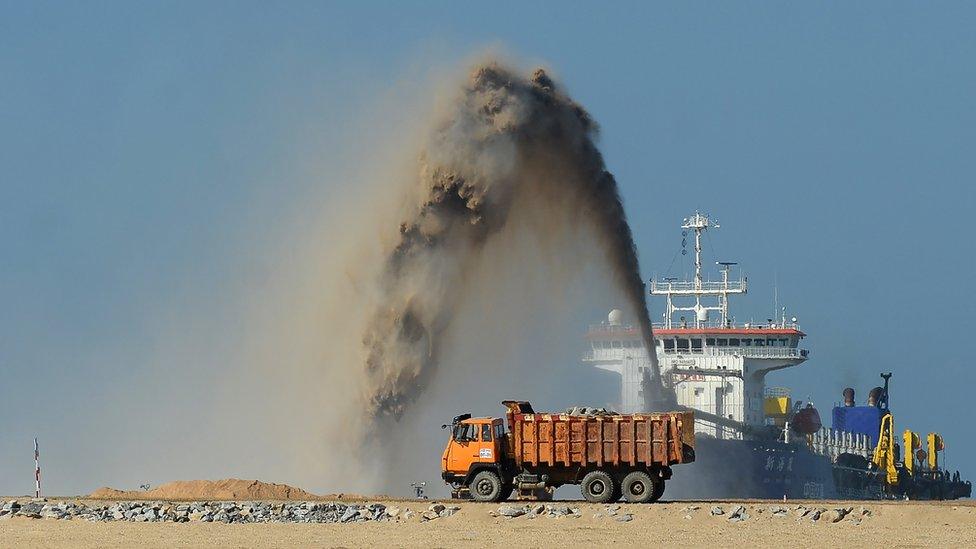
(589, 411)
(226, 512)
(537, 510)
(739, 513)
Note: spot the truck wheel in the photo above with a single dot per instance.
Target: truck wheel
(658, 489)
(486, 486)
(597, 487)
(639, 487)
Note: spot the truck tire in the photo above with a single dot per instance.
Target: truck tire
(486, 486)
(658, 489)
(598, 487)
(639, 487)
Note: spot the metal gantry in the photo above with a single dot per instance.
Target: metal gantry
(698, 288)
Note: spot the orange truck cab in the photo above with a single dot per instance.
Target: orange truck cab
(477, 445)
(473, 441)
(608, 455)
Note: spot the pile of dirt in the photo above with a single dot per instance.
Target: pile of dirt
(227, 489)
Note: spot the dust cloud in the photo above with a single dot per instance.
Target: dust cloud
(507, 145)
(453, 261)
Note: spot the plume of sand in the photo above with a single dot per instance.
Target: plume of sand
(504, 140)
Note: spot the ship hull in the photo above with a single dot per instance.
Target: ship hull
(764, 469)
(752, 470)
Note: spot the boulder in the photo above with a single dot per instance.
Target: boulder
(510, 511)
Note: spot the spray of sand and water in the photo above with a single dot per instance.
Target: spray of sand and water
(444, 267)
(507, 142)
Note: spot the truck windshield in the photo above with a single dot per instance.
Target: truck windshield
(465, 432)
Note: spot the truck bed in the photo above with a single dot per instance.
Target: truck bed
(661, 439)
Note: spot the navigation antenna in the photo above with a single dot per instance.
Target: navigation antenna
(698, 288)
(698, 223)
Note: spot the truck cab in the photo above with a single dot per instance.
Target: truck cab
(473, 441)
(476, 445)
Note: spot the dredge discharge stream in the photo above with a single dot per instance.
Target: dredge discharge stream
(505, 139)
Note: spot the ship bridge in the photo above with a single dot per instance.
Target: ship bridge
(714, 365)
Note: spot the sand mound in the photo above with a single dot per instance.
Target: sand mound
(227, 489)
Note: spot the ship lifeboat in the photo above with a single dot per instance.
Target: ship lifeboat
(806, 421)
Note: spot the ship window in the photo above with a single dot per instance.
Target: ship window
(710, 341)
(668, 344)
(783, 343)
(682, 344)
(722, 342)
(696, 344)
(746, 342)
(760, 343)
(615, 344)
(733, 342)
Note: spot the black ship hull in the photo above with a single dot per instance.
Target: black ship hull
(768, 469)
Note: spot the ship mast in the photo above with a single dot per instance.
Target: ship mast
(698, 288)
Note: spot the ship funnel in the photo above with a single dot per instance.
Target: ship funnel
(874, 396)
(849, 397)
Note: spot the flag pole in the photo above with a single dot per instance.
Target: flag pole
(37, 470)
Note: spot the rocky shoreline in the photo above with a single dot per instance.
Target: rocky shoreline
(335, 512)
(226, 512)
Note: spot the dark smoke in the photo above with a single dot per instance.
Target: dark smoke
(505, 139)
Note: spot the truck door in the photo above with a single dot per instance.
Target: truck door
(464, 448)
(486, 447)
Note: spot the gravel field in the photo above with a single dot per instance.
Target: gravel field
(405, 523)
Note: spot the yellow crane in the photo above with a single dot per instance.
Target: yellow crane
(911, 443)
(884, 452)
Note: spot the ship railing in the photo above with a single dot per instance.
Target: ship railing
(776, 392)
(756, 352)
(834, 442)
(631, 330)
(689, 286)
(613, 354)
(747, 352)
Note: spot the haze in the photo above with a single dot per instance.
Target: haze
(157, 163)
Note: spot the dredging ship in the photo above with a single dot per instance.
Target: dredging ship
(754, 440)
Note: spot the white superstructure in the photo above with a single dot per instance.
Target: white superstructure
(714, 364)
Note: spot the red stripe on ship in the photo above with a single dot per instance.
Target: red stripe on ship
(658, 332)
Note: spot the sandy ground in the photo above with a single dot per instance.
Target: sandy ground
(895, 524)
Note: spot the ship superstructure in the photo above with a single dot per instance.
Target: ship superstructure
(717, 366)
(714, 364)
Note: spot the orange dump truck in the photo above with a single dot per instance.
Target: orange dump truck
(610, 456)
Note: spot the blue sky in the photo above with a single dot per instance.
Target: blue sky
(145, 148)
